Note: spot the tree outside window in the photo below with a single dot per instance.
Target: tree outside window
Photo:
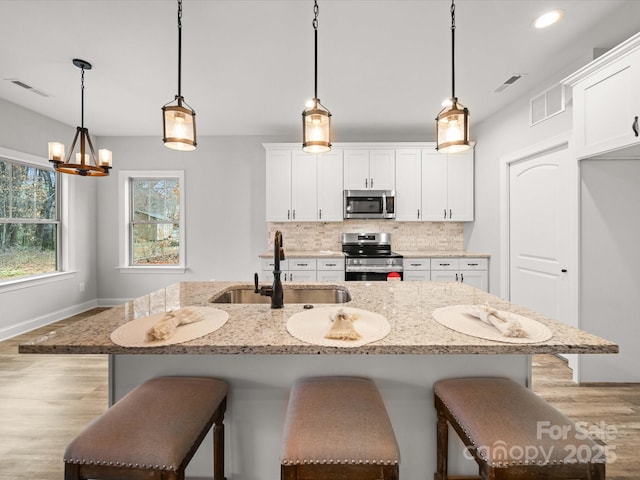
(154, 221)
(29, 220)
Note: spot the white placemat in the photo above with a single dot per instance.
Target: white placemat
(133, 333)
(312, 325)
(456, 318)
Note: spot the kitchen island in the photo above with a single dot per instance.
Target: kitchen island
(258, 357)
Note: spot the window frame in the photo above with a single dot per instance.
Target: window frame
(62, 219)
(124, 231)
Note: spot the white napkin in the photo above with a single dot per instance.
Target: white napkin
(165, 327)
(491, 316)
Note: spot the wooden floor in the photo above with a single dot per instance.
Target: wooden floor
(45, 400)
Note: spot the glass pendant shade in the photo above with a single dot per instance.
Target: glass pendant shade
(316, 128)
(179, 126)
(452, 127)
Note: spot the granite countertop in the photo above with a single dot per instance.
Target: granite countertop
(305, 254)
(441, 254)
(407, 254)
(257, 329)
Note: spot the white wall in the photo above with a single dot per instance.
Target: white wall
(225, 211)
(610, 266)
(28, 305)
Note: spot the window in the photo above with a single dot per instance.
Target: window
(153, 223)
(29, 220)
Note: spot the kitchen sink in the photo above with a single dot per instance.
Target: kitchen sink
(292, 294)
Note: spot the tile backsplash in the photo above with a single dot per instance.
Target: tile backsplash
(405, 236)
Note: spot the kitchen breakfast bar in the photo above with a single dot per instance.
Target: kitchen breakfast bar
(258, 357)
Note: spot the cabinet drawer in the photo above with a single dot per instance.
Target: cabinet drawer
(474, 264)
(330, 276)
(267, 264)
(416, 275)
(302, 264)
(331, 264)
(445, 264)
(417, 264)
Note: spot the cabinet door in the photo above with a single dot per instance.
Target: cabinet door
(382, 169)
(278, 185)
(460, 186)
(304, 194)
(434, 186)
(330, 276)
(475, 278)
(408, 185)
(356, 169)
(605, 107)
(416, 276)
(443, 276)
(330, 173)
(301, 276)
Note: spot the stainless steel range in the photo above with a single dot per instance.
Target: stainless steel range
(368, 256)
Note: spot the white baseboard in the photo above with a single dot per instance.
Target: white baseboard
(26, 326)
(112, 302)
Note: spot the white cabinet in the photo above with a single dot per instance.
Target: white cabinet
(330, 270)
(302, 187)
(330, 171)
(472, 271)
(447, 186)
(409, 185)
(293, 270)
(417, 269)
(369, 169)
(606, 101)
(433, 186)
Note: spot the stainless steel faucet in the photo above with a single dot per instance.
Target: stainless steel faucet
(275, 291)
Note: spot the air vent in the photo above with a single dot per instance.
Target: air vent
(508, 82)
(549, 103)
(26, 86)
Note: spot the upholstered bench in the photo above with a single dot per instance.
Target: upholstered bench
(152, 432)
(338, 427)
(512, 433)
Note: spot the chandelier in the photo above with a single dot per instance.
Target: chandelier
(86, 163)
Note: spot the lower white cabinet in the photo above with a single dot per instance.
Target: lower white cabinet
(305, 270)
(472, 271)
(417, 270)
(330, 270)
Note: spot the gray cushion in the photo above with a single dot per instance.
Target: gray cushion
(153, 426)
(339, 420)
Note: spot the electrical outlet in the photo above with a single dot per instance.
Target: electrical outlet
(81, 286)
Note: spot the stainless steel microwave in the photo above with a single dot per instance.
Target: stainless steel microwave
(369, 204)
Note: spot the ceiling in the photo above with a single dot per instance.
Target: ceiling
(247, 65)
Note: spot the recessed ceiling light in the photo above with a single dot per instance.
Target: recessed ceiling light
(547, 19)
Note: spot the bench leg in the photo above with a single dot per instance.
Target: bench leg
(288, 472)
(442, 447)
(71, 471)
(218, 450)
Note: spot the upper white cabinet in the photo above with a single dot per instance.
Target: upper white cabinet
(409, 185)
(606, 101)
(369, 169)
(329, 168)
(432, 186)
(302, 187)
(447, 186)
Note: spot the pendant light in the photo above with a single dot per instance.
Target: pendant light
(179, 119)
(316, 119)
(86, 164)
(452, 124)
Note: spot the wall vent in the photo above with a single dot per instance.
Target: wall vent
(26, 86)
(549, 103)
(508, 82)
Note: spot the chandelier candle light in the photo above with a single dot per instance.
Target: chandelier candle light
(452, 124)
(86, 164)
(179, 119)
(316, 119)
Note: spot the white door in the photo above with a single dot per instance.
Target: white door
(356, 169)
(539, 221)
(330, 186)
(409, 185)
(382, 169)
(434, 186)
(304, 198)
(278, 181)
(460, 186)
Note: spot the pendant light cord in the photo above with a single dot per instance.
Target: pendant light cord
(453, 49)
(316, 10)
(82, 98)
(179, 47)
